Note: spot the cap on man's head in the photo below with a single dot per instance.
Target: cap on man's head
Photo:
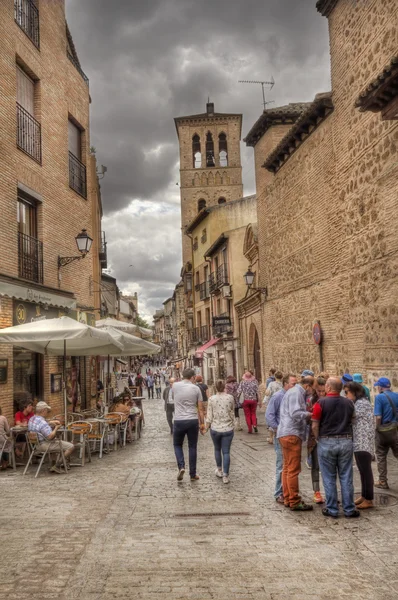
(42, 405)
(382, 382)
(346, 378)
(307, 373)
(357, 377)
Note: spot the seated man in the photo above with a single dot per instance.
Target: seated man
(46, 434)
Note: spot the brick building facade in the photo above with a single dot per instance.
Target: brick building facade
(48, 194)
(327, 205)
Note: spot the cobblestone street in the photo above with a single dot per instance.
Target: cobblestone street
(123, 527)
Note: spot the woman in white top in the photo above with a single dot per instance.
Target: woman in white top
(221, 420)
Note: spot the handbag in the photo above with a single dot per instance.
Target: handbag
(393, 425)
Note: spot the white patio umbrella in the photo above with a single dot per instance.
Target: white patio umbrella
(122, 326)
(131, 345)
(61, 337)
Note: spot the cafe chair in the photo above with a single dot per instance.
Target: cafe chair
(113, 421)
(81, 431)
(34, 444)
(98, 435)
(123, 428)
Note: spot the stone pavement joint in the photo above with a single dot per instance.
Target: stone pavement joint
(115, 530)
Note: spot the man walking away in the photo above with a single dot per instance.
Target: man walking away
(332, 418)
(385, 412)
(188, 417)
(291, 434)
(149, 381)
(169, 404)
(274, 387)
(272, 416)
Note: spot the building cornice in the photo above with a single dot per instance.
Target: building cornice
(249, 305)
(381, 90)
(317, 112)
(325, 7)
(282, 115)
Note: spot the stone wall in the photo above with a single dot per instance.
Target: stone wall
(327, 221)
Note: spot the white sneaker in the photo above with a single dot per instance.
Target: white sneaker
(218, 473)
(225, 479)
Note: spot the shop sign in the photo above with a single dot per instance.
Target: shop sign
(221, 321)
(56, 382)
(35, 296)
(3, 370)
(26, 312)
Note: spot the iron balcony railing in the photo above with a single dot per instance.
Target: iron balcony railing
(204, 290)
(204, 333)
(77, 66)
(28, 133)
(197, 287)
(221, 329)
(77, 175)
(30, 258)
(212, 281)
(222, 275)
(103, 256)
(26, 15)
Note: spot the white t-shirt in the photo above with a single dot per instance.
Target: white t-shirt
(186, 397)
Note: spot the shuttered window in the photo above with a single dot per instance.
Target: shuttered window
(74, 140)
(25, 91)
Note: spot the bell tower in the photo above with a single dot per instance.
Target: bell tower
(210, 164)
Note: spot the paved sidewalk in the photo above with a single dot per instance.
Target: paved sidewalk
(116, 529)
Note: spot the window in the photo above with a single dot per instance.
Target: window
(188, 282)
(223, 150)
(195, 243)
(203, 239)
(77, 170)
(197, 281)
(221, 201)
(201, 204)
(26, 15)
(28, 129)
(196, 153)
(198, 319)
(30, 249)
(210, 162)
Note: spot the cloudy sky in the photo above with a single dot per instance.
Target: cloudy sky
(149, 61)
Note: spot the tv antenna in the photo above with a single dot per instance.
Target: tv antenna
(262, 83)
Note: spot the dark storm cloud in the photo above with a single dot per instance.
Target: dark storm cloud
(151, 60)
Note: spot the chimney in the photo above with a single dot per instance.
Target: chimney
(210, 108)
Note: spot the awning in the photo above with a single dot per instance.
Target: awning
(35, 295)
(199, 352)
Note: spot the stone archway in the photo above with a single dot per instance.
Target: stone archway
(255, 352)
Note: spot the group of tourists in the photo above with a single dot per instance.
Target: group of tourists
(332, 415)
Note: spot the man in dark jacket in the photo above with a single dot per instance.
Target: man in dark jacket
(169, 404)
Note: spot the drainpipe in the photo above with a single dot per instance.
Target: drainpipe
(193, 279)
(208, 260)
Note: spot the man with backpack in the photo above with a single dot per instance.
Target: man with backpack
(386, 437)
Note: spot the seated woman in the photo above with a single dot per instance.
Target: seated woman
(22, 418)
(4, 434)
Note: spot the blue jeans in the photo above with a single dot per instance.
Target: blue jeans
(335, 456)
(222, 441)
(181, 429)
(279, 467)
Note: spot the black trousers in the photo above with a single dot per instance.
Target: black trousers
(150, 392)
(364, 464)
(169, 415)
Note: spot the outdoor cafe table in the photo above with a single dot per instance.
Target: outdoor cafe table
(15, 431)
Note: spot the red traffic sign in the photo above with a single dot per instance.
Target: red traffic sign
(317, 333)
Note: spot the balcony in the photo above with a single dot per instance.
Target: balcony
(26, 15)
(204, 333)
(77, 67)
(197, 287)
(77, 175)
(222, 275)
(30, 258)
(28, 134)
(103, 256)
(204, 290)
(212, 282)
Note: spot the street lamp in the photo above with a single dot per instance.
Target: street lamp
(83, 242)
(249, 279)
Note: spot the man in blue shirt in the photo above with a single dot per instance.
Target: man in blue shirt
(272, 417)
(385, 412)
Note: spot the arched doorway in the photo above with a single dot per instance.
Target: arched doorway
(257, 357)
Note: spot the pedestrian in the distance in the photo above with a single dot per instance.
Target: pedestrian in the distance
(150, 383)
(248, 388)
(273, 387)
(188, 418)
(231, 388)
(221, 420)
(204, 390)
(158, 385)
(364, 442)
(169, 404)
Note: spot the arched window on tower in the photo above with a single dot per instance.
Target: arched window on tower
(196, 153)
(223, 150)
(210, 162)
(201, 204)
(221, 201)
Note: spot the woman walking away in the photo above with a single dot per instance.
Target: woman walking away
(312, 449)
(221, 420)
(363, 438)
(231, 388)
(249, 388)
